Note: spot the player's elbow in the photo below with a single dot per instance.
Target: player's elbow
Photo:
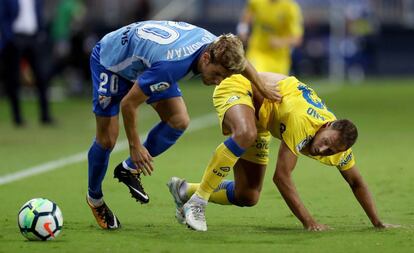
(279, 178)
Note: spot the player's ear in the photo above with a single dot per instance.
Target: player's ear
(205, 57)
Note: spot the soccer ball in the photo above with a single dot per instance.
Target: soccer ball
(40, 219)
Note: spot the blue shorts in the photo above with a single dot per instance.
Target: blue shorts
(109, 88)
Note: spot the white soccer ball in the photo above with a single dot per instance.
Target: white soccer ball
(40, 219)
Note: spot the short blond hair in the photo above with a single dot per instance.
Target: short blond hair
(227, 50)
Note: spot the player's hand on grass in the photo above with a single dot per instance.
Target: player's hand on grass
(142, 159)
(314, 226)
(381, 225)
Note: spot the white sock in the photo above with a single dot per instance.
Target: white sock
(125, 165)
(95, 202)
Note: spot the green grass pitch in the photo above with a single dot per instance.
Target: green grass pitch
(382, 109)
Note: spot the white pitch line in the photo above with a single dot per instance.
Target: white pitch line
(202, 122)
(199, 123)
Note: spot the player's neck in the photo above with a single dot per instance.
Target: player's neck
(196, 67)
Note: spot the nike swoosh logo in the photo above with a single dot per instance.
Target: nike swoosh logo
(142, 195)
(47, 228)
(115, 224)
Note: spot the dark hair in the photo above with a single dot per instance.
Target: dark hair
(348, 132)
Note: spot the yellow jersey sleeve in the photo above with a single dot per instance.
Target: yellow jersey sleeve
(343, 161)
(252, 5)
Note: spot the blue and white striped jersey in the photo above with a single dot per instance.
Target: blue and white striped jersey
(153, 51)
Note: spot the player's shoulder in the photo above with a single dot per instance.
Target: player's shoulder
(295, 133)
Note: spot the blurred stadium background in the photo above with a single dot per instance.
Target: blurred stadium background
(344, 40)
(361, 48)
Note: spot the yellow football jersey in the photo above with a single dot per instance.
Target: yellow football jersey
(280, 18)
(295, 120)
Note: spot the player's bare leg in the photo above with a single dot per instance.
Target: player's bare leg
(107, 129)
(240, 121)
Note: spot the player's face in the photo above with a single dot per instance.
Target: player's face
(326, 142)
(212, 74)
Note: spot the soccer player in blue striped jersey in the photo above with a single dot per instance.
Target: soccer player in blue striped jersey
(142, 62)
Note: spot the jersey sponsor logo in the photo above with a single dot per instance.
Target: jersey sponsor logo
(303, 143)
(232, 99)
(312, 112)
(225, 169)
(262, 154)
(262, 144)
(104, 101)
(219, 173)
(158, 87)
(345, 161)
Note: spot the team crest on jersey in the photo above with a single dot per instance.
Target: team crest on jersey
(158, 87)
(303, 143)
(104, 101)
(232, 99)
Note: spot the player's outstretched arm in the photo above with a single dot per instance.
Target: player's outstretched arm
(129, 104)
(286, 162)
(362, 194)
(268, 89)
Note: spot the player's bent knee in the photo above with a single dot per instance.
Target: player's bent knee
(248, 198)
(245, 136)
(106, 143)
(179, 121)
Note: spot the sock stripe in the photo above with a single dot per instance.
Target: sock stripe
(234, 147)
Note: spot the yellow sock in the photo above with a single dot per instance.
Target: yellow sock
(218, 168)
(218, 197)
(191, 189)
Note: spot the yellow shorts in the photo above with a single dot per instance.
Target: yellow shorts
(237, 90)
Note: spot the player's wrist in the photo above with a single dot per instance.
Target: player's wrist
(308, 222)
(378, 224)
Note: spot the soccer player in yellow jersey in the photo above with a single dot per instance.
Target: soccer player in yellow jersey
(276, 27)
(304, 125)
